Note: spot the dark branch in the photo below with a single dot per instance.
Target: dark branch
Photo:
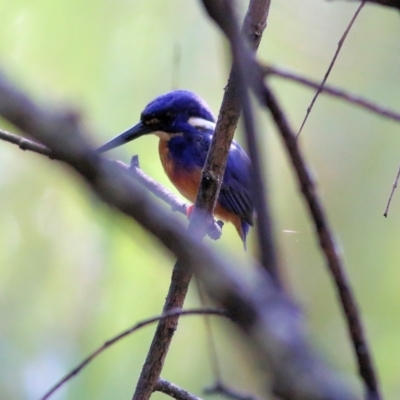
(328, 245)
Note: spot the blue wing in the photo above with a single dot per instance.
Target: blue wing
(235, 193)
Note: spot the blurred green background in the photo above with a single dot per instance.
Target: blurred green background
(73, 273)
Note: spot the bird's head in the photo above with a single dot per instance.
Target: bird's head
(168, 115)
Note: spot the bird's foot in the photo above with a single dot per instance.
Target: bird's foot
(214, 230)
(134, 162)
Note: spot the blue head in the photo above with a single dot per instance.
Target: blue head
(171, 113)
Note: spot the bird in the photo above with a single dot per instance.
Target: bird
(185, 125)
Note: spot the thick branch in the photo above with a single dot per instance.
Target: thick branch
(272, 324)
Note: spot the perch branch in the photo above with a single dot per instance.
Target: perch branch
(223, 15)
(176, 204)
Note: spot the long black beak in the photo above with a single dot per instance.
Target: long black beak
(131, 134)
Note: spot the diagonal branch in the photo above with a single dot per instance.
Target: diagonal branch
(266, 316)
(333, 91)
(328, 246)
(332, 63)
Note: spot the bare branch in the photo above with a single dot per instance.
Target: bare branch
(222, 13)
(24, 144)
(328, 246)
(333, 91)
(173, 390)
(213, 230)
(332, 63)
(394, 187)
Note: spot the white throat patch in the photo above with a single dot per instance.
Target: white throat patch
(166, 136)
(200, 123)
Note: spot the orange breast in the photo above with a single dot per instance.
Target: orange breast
(187, 182)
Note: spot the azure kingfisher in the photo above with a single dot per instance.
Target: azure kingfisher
(185, 125)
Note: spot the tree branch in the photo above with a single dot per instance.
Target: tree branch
(333, 91)
(328, 246)
(221, 12)
(269, 320)
(213, 230)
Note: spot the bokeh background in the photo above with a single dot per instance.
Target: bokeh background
(73, 273)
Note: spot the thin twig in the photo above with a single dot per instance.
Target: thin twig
(396, 181)
(333, 91)
(173, 390)
(328, 246)
(24, 144)
(340, 44)
(117, 338)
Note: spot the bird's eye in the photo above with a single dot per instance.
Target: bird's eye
(168, 116)
(152, 121)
